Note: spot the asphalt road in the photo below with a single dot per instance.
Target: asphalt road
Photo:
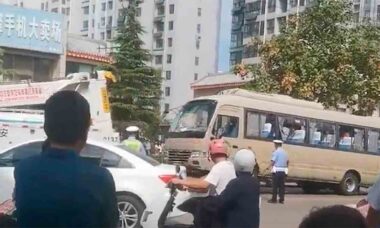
(297, 206)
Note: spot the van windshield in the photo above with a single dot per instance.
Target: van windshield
(193, 120)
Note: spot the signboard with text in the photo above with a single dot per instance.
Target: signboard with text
(31, 29)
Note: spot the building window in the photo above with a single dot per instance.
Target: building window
(270, 26)
(171, 25)
(93, 23)
(196, 62)
(110, 21)
(195, 76)
(138, 12)
(293, 3)
(171, 8)
(272, 6)
(158, 59)
(302, 2)
(159, 43)
(198, 42)
(169, 59)
(68, 11)
(63, 11)
(110, 5)
(199, 12)
(167, 91)
(85, 10)
(251, 51)
(378, 13)
(198, 28)
(63, 2)
(168, 75)
(170, 42)
(109, 35)
(103, 6)
(42, 6)
(54, 10)
(92, 36)
(103, 21)
(236, 40)
(167, 108)
(93, 8)
(263, 3)
(85, 25)
(102, 36)
(284, 6)
(262, 27)
(281, 21)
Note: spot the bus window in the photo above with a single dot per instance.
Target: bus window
(292, 129)
(351, 138)
(226, 126)
(322, 134)
(260, 125)
(252, 128)
(373, 141)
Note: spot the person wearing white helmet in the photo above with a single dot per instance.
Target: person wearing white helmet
(132, 143)
(240, 201)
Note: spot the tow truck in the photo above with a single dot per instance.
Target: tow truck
(22, 104)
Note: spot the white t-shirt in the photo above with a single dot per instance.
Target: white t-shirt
(220, 175)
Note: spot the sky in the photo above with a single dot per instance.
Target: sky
(225, 36)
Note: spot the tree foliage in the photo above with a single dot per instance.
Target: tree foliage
(323, 56)
(136, 95)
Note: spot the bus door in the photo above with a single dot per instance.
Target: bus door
(228, 125)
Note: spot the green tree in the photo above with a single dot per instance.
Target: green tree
(135, 96)
(324, 56)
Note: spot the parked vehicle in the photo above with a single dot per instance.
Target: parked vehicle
(140, 180)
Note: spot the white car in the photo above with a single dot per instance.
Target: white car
(140, 180)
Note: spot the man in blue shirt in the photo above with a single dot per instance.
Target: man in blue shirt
(58, 188)
(279, 167)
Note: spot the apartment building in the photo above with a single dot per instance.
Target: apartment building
(183, 36)
(264, 18)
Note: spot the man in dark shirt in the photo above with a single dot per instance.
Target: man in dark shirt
(58, 188)
(240, 201)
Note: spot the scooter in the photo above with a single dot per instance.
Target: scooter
(171, 204)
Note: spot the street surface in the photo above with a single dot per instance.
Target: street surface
(297, 206)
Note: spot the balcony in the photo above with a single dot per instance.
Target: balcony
(237, 26)
(159, 2)
(238, 7)
(158, 34)
(252, 15)
(159, 18)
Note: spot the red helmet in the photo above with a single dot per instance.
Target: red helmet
(217, 146)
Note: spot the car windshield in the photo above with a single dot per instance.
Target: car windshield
(146, 158)
(193, 120)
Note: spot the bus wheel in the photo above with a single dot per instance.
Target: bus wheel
(350, 184)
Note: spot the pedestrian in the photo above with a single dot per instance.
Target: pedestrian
(240, 201)
(132, 143)
(57, 188)
(373, 198)
(337, 216)
(279, 169)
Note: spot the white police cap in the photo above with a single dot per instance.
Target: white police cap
(277, 141)
(132, 129)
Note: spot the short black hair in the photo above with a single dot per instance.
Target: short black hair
(67, 118)
(337, 216)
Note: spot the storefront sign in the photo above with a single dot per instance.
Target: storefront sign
(31, 29)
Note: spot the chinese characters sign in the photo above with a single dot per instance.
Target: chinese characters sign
(31, 29)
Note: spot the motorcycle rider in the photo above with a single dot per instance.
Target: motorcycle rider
(220, 174)
(240, 201)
